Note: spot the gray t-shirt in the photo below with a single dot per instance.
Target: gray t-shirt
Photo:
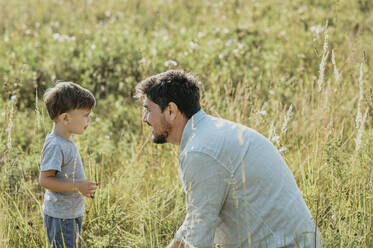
(63, 156)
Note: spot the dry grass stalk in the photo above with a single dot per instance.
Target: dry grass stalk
(337, 74)
(286, 120)
(10, 124)
(361, 96)
(360, 131)
(323, 59)
(37, 108)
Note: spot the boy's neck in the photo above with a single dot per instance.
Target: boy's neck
(60, 130)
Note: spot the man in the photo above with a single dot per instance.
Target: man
(239, 191)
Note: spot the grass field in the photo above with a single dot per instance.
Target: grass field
(297, 71)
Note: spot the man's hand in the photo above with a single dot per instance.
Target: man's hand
(175, 244)
(86, 188)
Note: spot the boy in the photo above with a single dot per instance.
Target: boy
(69, 106)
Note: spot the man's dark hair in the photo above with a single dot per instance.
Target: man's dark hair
(66, 96)
(175, 86)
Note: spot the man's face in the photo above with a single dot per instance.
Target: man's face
(154, 117)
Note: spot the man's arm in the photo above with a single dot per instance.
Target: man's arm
(206, 183)
(48, 180)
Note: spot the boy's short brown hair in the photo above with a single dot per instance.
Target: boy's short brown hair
(66, 96)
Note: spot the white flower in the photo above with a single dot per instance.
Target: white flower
(143, 61)
(317, 29)
(262, 112)
(193, 45)
(56, 36)
(107, 13)
(3, 114)
(93, 46)
(200, 34)
(282, 149)
(229, 42)
(107, 137)
(165, 38)
(6, 38)
(13, 97)
(276, 138)
(182, 30)
(170, 63)
(333, 217)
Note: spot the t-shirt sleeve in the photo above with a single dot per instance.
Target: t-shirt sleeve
(206, 185)
(51, 157)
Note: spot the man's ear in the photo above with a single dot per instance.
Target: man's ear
(172, 111)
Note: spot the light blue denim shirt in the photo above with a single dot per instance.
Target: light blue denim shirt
(239, 190)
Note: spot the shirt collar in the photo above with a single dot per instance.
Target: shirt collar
(189, 128)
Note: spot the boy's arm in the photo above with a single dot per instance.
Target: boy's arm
(48, 180)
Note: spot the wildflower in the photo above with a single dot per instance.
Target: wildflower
(13, 97)
(143, 61)
(3, 114)
(333, 217)
(317, 29)
(229, 42)
(283, 33)
(182, 30)
(6, 38)
(170, 63)
(165, 38)
(276, 138)
(107, 137)
(200, 34)
(282, 149)
(93, 46)
(193, 45)
(56, 36)
(262, 112)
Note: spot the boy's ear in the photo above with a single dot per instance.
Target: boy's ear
(64, 117)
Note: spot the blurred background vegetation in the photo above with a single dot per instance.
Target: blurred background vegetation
(297, 71)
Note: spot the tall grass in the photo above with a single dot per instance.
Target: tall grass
(264, 64)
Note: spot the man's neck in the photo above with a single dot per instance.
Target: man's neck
(177, 132)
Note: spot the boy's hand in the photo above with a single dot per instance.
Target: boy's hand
(87, 188)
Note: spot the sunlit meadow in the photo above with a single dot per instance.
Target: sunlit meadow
(297, 71)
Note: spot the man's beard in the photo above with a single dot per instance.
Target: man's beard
(161, 138)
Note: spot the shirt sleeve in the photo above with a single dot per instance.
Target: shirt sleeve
(51, 158)
(206, 184)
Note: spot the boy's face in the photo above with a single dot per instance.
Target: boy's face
(78, 120)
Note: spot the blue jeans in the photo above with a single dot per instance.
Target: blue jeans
(64, 233)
